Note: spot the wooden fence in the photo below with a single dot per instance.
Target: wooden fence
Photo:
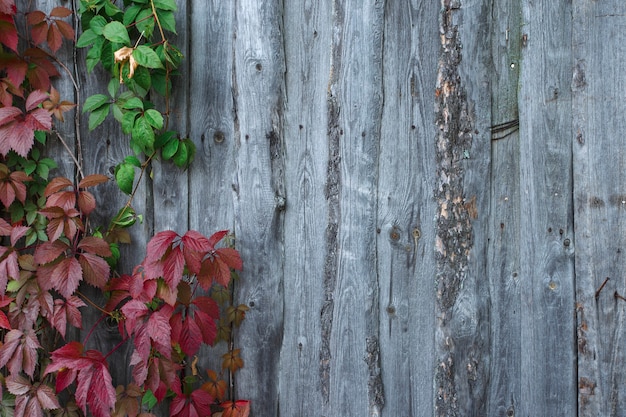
(426, 194)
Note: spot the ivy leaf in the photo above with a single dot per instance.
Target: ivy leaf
(67, 310)
(216, 387)
(98, 115)
(66, 276)
(94, 385)
(154, 118)
(196, 404)
(88, 37)
(239, 408)
(187, 333)
(31, 400)
(143, 135)
(232, 361)
(96, 270)
(165, 4)
(19, 352)
(125, 176)
(94, 102)
(146, 57)
(116, 32)
(8, 31)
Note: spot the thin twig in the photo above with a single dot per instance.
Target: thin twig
(601, 287)
(69, 151)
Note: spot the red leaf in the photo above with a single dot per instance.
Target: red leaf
(95, 245)
(49, 251)
(57, 184)
(94, 386)
(8, 32)
(214, 269)
(207, 305)
(9, 114)
(190, 336)
(196, 241)
(207, 327)
(92, 180)
(38, 31)
(96, 270)
(159, 244)
(66, 276)
(239, 408)
(35, 17)
(9, 267)
(19, 352)
(61, 12)
(231, 257)
(66, 29)
(17, 233)
(67, 310)
(35, 99)
(216, 237)
(173, 267)
(198, 404)
(7, 7)
(5, 228)
(55, 39)
(133, 311)
(159, 330)
(86, 202)
(4, 321)
(39, 119)
(17, 136)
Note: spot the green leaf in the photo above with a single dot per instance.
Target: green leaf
(97, 116)
(87, 38)
(94, 55)
(145, 22)
(140, 83)
(125, 176)
(116, 32)
(114, 86)
(43, 171)
(154, 118)
(160, 82)
(133, 103)
(115, 255)
(126, 217)
(164, 138)
(168, 20)
(97, 24)
(181, 158)
(149, 400)
(170, 149)
(40, 136)
(130, 14)
(133, 160)
(165, 4)
(128, 121)
(143, 135)
(95, 101)
(146, 57)
(111, 10)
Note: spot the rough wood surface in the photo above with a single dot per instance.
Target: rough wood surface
(407, 250)
(599, 204)
(548, 382)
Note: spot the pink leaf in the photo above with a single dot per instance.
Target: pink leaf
(216, 237)
(96, 270)
(159, 244)
(35, 98)
(66, 276)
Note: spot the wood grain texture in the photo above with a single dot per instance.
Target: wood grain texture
(462, 155)
(303, 363)
(354, 122)
(548, 383)
(405, 212)
(258, 97)
(599, 204)
(211, 127)
(505, 208)
(169, 183)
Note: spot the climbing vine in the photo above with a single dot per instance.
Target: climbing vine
(176, 300)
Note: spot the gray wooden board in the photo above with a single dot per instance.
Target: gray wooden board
(170, 183)
(406, 209)
(307, 36)
(258, 94)
(599, 204)
(548, 374)
(503, 254)
(211, 127)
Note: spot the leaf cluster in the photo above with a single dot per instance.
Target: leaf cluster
(179, 298)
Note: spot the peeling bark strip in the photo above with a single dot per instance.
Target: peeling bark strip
(376, 393)
(332, 194)
(454, 229)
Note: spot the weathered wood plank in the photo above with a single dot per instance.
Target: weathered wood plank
(169, 183)
(211, 127)
(462, 156)
(406, 209)
(302, 364)
(598, 83)
(354, 125)
(504, 221)
(258, 93)
(548, 383)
